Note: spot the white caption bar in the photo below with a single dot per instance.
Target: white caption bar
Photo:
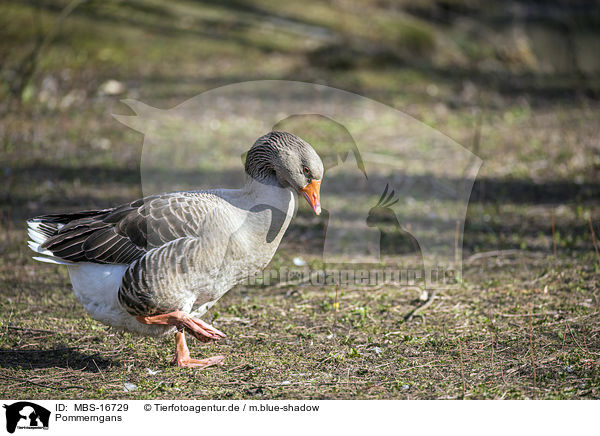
(282, 417)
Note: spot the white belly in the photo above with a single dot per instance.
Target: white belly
(96, 286)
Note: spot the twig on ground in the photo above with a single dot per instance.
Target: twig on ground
(462, 370)
(564, 337)
(158, 385)
(335, 311)
(49, 350)
(492, 364)
(579, 345)
(492, 253)
(428, 364)
(456, 237)
(420, 308)
(531, 350)
(520, 315)
(98, 368)
(594, 238)
(554, 235)
(537, 279)
(30, 330)
(60, 388)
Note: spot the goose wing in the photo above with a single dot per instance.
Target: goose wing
(122, 234)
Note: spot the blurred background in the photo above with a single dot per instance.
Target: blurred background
(515, 82)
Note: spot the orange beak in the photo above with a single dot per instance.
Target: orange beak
(312, 194)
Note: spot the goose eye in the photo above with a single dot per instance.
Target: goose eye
(306, 171)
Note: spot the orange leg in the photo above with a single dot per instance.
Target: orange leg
(182, 355)
(196, 327)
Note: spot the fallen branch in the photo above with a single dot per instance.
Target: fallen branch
(462, 370)
(493, 253)
(594, 238)
(420, 308)
(519, 315)
(531, 349)
(554, 235)
(30, 330)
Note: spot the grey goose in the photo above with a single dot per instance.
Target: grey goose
(154, 266)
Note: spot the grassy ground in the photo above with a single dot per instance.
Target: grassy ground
(523, 323)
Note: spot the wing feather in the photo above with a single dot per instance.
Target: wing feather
(124, 233)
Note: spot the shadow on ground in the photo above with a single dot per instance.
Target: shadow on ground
(60, 357)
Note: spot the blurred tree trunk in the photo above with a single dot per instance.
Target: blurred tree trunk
(25, 70)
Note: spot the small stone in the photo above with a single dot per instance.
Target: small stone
(298, 261)
(112, 87)
(129, 387)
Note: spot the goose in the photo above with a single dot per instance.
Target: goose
(156, 265)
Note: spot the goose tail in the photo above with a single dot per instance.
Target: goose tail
(39, 230)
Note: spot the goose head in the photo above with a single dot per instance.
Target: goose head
(289, 160)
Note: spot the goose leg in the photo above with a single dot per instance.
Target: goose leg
(182, 355)
(196, 327)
